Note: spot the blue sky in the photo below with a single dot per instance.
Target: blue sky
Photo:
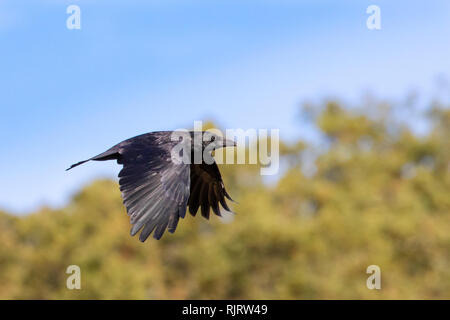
(140, 66)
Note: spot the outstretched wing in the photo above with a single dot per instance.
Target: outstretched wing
(207, 190)
(155, 190)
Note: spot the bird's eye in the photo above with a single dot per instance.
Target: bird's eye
(213, 138)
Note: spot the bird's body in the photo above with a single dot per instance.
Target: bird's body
(157, 190)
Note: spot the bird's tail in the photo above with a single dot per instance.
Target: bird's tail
(77, 164)
(111, 154)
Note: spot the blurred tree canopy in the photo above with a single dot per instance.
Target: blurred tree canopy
(379, 195)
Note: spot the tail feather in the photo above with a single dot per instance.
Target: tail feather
(111, 154)
(77, 164)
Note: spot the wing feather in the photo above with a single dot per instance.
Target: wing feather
(207, 190)
(155, 190)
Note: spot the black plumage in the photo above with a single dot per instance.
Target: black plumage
(156, 190)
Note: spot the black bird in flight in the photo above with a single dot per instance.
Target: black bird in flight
(157, 190)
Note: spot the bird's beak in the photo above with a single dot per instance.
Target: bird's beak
(229, 143)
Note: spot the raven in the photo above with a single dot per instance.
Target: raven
(157, 190)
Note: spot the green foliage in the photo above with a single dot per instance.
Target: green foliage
(380, 196)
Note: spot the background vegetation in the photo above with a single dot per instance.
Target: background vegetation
(378, 194)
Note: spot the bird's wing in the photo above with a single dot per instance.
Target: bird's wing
(155, 190)
(207, 190)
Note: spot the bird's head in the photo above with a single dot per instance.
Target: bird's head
(208, 141)
(214, 141)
